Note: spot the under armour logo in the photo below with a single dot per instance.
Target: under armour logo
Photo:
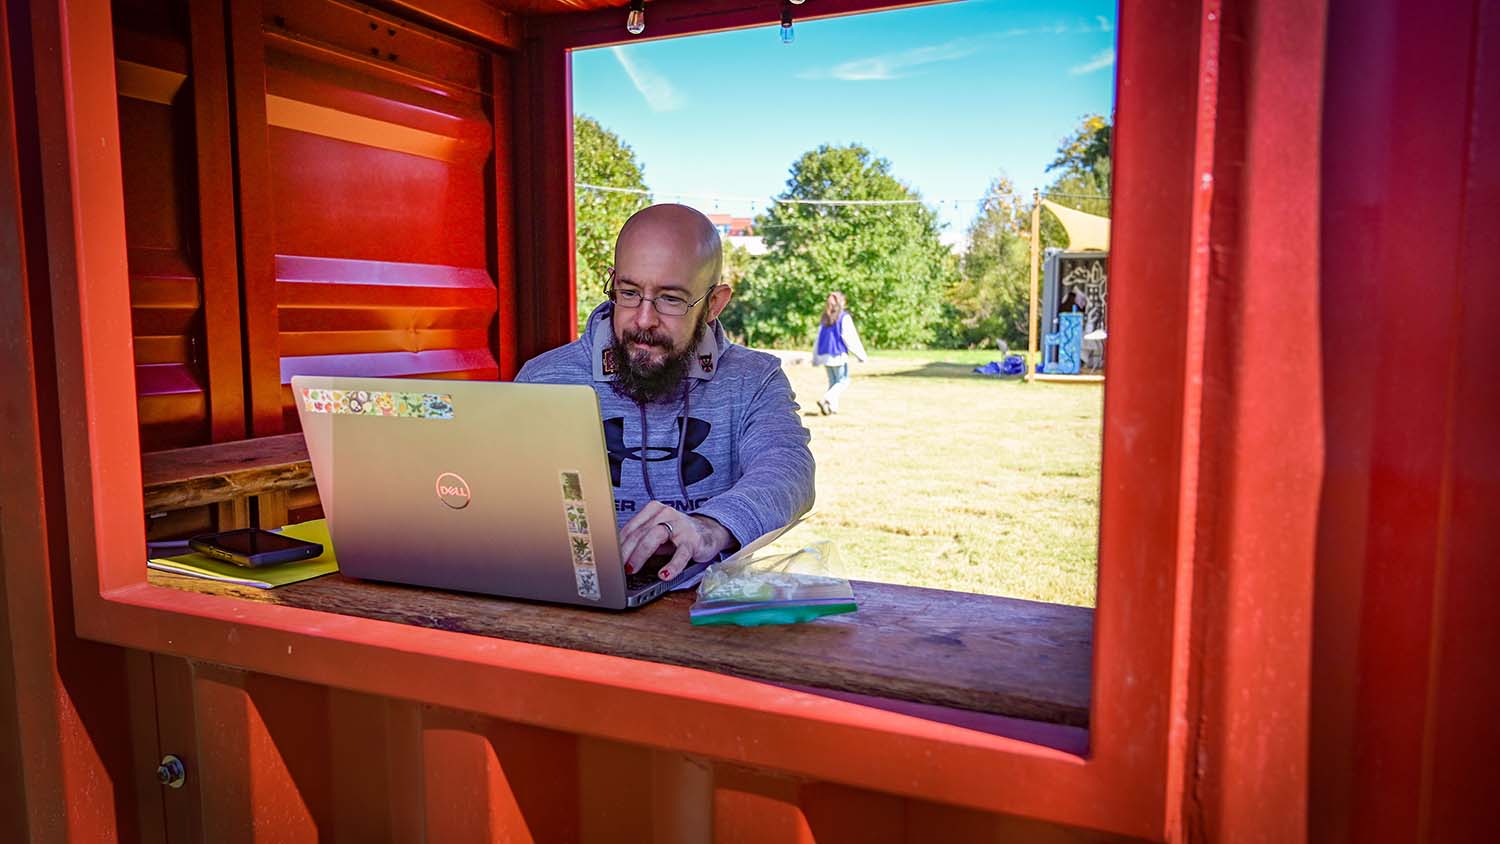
(695, 467)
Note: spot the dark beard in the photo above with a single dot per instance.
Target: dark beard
(645, 383)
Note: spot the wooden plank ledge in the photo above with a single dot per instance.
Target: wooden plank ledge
(1002, 656)
(210, 474)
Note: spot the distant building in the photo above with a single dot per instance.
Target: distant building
(750, 243)
(731, 226)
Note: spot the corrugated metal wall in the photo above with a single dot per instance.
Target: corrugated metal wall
(366, 214)
(160, 147)
(378, 147)
(1403, 579)
(299, 762)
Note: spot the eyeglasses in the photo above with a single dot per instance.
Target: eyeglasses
(667, 304)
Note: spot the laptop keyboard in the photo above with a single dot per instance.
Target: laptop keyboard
(648, 575)
(638, 581)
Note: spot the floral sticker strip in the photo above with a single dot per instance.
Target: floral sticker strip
(580, 544)
(375, 403)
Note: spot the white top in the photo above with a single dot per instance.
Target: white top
(851, 342)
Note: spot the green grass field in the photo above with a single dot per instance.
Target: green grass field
(932, 476)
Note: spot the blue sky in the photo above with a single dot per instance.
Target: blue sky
(952, 94)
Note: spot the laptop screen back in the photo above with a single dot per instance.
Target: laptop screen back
(487, 487)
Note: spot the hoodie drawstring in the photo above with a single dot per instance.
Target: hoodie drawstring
(645, 454)
(687, 390)
(681, 444)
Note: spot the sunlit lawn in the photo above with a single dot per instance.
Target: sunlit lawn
(933, 476)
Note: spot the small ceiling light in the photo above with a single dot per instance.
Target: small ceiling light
(798, 2)
(786, 24)
(635, 22)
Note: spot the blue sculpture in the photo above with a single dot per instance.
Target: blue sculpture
(1066, 342)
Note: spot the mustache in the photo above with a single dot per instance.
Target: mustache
(648, 338)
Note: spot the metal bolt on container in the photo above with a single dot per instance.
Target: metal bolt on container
(171, 772)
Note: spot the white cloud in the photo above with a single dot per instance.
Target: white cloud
(1101, 24)
(1102, 59)
(1053, 29)
(655, 88)
(902, 64)
(895, 65)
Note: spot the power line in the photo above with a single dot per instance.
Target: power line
(717, 198)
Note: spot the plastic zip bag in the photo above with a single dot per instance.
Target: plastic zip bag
(774, 588)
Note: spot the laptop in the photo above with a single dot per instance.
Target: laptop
(478, 486)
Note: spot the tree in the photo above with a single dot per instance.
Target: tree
(1086, 149)
(990, 299)
(737, 264)
(600, 158)
(885, 258)
(1083, 166)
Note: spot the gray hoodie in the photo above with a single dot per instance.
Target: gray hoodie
(740, 458)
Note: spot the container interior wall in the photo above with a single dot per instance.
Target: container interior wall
(365, 243)
(302, 762)
(346, 130)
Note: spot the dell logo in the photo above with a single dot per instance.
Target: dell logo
(453, 490)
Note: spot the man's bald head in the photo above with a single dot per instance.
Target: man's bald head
(671, 256)
(670, 244)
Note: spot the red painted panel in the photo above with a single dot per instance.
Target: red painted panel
(1263, 450)
(176, 733)
(502, 167)
(488, 780)
(1403, 722)
(71, 695)
(330, 306)
(347, 200)
(362, 31)
(17, 455)
(376, 212)
(1463, 738)
(376, 746)
(360, 89)
(1409, 502)
(1118, 786)
(158, 151)
(219, 252)
(156, 156)
(553, 7)
(256, 207)
(544, 186)
(261, 749)
(748, 809)
(449, 362)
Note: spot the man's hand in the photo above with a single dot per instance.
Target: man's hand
(697, 538)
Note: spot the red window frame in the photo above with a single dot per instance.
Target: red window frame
(1164, 169)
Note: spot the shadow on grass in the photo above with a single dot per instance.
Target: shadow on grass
(938, 369)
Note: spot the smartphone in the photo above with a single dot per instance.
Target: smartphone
(251, 547)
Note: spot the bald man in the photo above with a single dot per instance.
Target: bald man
(706, 447)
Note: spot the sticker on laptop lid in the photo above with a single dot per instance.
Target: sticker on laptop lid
(580, 541)
(378, 403)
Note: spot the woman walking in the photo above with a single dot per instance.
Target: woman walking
(837, 339)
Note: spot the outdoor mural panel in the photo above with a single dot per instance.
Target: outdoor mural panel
(1083, 273)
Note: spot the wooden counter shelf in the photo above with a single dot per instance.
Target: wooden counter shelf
(1001, 656)
(211, 474)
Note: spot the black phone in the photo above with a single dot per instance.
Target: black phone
(252, 547)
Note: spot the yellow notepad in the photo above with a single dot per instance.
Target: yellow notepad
(264, 577)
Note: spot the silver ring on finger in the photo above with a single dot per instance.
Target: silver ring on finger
(670, 532)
